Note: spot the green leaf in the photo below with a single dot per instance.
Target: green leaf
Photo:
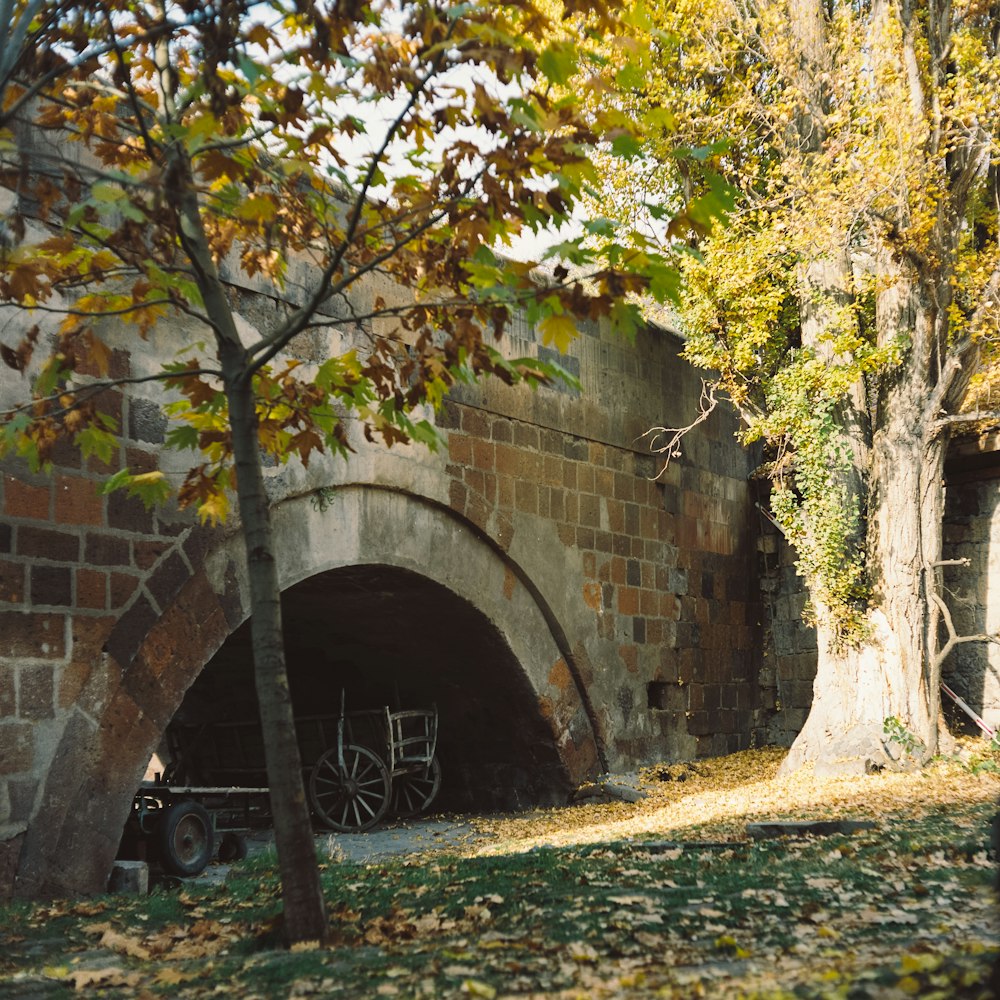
(150, 487)
(184, 436)
(559, 62)
(94, 441)
(626, 146)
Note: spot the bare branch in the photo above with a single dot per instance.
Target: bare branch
(954, 639)
(974, 417)
(667, 440)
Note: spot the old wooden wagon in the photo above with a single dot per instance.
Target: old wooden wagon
(358, 767)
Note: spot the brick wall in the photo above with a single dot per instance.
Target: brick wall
(667, 580)
(82, 579)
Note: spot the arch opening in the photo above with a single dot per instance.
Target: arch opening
(391, 636)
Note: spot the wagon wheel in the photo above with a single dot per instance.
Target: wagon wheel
(414, 792)
(185, 838)
(354, 799)
(232, 847)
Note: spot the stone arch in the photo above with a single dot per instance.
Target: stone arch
(73, 838)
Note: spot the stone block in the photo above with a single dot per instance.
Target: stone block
(12, 576)
(21, 793)
(52, 586)
(128, 513)
(44, 543)
(146, 421)
(129, 878)
(34, 635)
(91, 589)
(123, 587)
(17, 751)
(77, 501)
(36, 691)
(21, 499)
(167, 579)
(125, 638)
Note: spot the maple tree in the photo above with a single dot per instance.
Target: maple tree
(193, 149)
(847, 308)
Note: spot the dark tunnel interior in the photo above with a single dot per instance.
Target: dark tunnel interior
(386, 636)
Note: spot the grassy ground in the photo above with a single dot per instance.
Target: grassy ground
(667, 897)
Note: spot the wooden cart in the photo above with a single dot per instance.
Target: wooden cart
(185, 823)
(380, 760)
(358, 766)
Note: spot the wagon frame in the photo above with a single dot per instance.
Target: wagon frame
(364, 764)
(381, 759)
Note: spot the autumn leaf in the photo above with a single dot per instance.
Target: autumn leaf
(559, 331)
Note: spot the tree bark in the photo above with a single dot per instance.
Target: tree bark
(892, 674)
(305, 917)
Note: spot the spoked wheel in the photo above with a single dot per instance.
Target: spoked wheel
(413, 793)
(354, 799)
(185, 838)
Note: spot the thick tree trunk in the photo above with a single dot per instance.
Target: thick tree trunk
(892, 675)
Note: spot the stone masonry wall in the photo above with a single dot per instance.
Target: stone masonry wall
(789, 662)
(667, 591)
(648, 586)
(82, 579)
(972, 532)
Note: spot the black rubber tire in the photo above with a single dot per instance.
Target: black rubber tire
(354, 799)
(232, 847)
(413, 793)
(186, 838)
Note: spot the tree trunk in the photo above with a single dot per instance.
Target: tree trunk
(890, 675)
(876, 704)
(305, 916)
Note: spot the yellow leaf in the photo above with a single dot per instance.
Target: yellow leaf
(122, 943)
(169, 976)
(478, 989)
(214, 509)
(558, 330)
(257, 208)
(104, 977)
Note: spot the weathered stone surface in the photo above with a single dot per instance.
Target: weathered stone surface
(130, 878)
(541, 531)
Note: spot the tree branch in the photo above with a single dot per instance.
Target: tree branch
(33, 88)
(323, 289)
(973, 417)
(672, 436)
(954, 639)
(91, 389)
